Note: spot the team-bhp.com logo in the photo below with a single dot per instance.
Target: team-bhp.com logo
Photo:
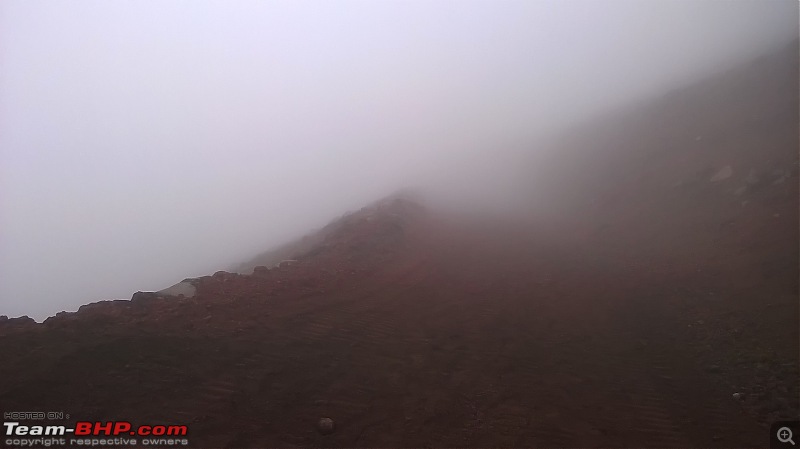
(87, 433)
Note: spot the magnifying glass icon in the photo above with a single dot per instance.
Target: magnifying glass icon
(785, 435)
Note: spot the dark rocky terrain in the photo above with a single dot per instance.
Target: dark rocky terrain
(656, 305)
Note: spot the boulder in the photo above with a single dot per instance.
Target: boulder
(221, 275)
(143, 296)
(24, 320)
(184, 288)
(326, 426)
(722, 174)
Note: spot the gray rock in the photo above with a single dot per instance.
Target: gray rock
(23, 320)
(326, 426)
(723, 174)
(184, 288)
(143, 296)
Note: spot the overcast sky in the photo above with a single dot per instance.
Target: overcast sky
(143, 142)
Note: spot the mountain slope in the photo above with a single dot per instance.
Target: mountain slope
(462, 337)
(382, 217)
(629, 316)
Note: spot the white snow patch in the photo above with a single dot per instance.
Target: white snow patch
(184, 288)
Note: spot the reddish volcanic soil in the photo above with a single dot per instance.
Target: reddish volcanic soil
(409, 331)
(654, 308)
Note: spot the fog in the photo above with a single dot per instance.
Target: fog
(145, 142)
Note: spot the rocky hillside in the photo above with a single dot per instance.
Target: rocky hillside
(650, 301)
(383, 216)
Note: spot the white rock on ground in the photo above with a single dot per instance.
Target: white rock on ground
(723, 174)
(325, 426)
(184, 288)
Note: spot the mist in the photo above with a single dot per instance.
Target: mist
(145, 142)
